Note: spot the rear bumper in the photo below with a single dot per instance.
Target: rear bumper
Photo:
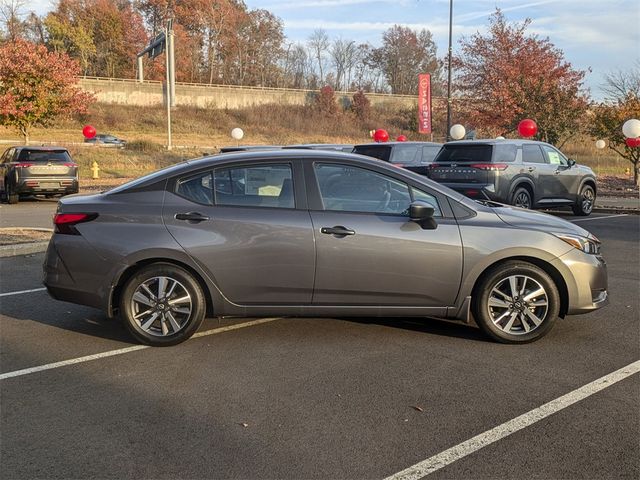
(587, 281)
(486, 191)
(40, 185)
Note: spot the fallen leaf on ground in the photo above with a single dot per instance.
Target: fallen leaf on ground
(420, 409)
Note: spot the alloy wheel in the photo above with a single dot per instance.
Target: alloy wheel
(161, 306)
(522, 200)
(518, 304)
(587, 199)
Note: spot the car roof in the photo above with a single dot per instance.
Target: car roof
(266, 156)
(318, 146)
(40, 148)
(496, 141)
(382, 144)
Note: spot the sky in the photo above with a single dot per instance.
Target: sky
(600, 35)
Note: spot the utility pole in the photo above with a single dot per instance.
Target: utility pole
(449, 71)
(163, 43)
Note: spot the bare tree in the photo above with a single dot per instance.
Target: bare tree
(319, 44)
(622, 84)
(343, 54)
(11, 12)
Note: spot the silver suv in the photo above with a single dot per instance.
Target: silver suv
(524, 173)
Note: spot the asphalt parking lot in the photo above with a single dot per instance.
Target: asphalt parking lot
(320, 398)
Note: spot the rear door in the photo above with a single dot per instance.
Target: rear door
(248, 227)
(536, 169)
(368, 252)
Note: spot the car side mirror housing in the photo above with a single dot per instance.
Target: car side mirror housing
(422, 214)
(571, 162)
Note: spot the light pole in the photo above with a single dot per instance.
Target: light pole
(449, 70)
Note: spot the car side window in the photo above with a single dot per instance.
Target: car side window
(554, 157)
(255, 186)
(352, 189)
(430, 199)
(197, 188)
(532, 154)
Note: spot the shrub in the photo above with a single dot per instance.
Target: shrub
(361, 106)
(325, 102)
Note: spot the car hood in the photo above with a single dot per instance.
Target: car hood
(519, 217)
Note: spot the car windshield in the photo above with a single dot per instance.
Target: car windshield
(44, 156)
(147, 178)
(465, 153)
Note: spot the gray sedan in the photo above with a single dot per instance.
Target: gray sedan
(315, 233)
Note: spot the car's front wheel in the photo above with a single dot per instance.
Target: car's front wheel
(162, 305)
(516, 302)
(10, 194)
(586, 200)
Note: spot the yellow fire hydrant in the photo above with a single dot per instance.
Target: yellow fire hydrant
(95, 169)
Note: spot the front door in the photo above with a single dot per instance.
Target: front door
(369, 253)
(242, 226)
(564, 182)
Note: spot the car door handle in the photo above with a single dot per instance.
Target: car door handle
(191, 217)
(531, 169)
(337, 230)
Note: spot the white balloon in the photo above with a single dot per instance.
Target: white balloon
(457, 132)
(500, 137)
(631, 128)
(237, 133)
(600, 144)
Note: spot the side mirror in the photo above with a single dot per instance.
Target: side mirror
(571, 162)
(422, 214)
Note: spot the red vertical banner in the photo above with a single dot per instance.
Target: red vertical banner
(424, 103)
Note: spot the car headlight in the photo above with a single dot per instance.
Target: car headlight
(587, 245)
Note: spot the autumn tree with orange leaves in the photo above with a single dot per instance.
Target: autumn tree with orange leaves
(37, 86)
(508, 75)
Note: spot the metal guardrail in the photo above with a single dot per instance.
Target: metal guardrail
(238, 87)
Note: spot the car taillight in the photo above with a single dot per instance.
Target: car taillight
(70, 164)
(24, 165)
(490, 166)
(65, 223)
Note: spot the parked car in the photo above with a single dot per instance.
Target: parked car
(37, 171)
(315, 233)
(338, 147)
(524, 173)
(106, 139)
(414, 156)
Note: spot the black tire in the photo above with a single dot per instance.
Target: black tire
(522, 198)
(586, 200)
(510, 322)
(10, 194)
(171, 325)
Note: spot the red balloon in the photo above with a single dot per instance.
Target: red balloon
(401, 138)
(527, 128)
(381, 135)
(633, 142)
(88, 131)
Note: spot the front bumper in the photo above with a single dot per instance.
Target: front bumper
(586, 279)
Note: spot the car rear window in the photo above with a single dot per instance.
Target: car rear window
(465, 153)
(44, 156)
(383, 152)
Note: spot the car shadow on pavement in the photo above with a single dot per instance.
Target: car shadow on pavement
(432, 326)
(66, 316)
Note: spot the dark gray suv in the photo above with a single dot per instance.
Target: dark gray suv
(524, 173)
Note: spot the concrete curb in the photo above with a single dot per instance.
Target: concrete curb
(29, 248)
(18, 249)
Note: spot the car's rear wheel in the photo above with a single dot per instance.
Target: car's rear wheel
(10, 194)
(516, 302)
(522, 198)
(162, 304)
(586, 200)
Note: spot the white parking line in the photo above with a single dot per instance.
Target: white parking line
(474, 444)
(121, 351)
(600, 218)
(20, 292)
